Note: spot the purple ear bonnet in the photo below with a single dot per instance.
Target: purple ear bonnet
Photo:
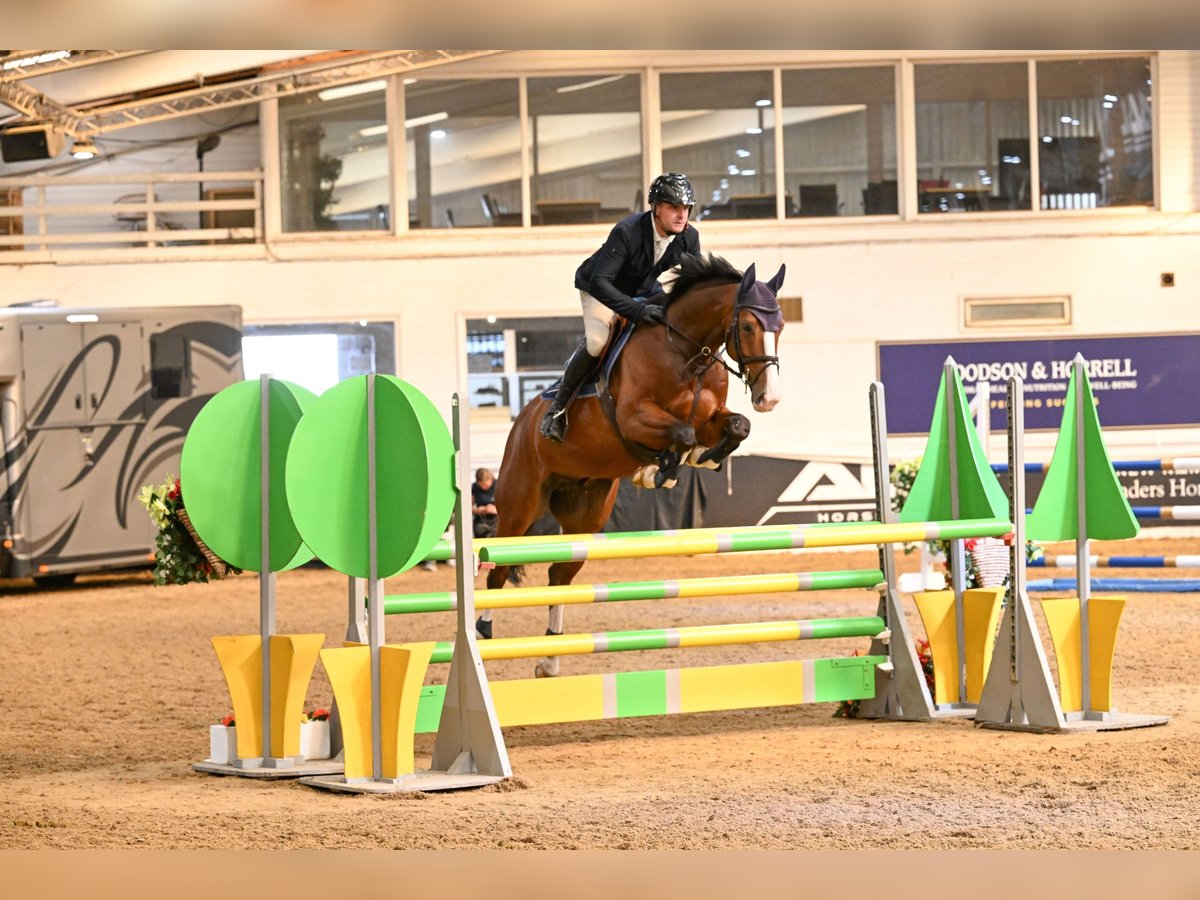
(760, 298)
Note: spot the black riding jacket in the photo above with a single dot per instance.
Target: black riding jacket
(624, 267)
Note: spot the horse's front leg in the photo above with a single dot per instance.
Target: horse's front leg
(725, 432)
(653, 426)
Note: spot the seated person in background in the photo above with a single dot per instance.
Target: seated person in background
(483, 504)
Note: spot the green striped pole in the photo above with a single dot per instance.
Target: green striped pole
(844, 535)
(513, 598)
(444, 549)
(668, 638)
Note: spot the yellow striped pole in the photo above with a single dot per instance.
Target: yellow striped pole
(513, 598)
(669, 638)
(444, 549)
(844, 535)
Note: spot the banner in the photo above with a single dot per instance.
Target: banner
(1143, 381)
(775, 491)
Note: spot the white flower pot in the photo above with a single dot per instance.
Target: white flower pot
(314, 740)
(222, 744)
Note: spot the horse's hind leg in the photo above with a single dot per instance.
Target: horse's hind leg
(581, 508)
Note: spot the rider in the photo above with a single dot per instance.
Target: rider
(622, 277)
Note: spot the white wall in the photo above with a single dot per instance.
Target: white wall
(880, 282)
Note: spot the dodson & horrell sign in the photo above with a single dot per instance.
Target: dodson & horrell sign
(1140, 381)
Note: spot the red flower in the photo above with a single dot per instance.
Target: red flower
(173, 493)
(319, 715)
(228, 721)
(970, 543)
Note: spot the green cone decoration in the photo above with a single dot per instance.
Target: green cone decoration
(1055, 516)
(980, 495)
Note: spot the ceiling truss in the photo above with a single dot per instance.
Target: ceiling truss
(35, 63)
(35, 106)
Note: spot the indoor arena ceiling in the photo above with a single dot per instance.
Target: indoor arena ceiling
(90, 92)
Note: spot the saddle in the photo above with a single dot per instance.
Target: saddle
(618, 337)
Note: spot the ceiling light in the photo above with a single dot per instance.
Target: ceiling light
(754, 131)
(373, 131)
(763, 102)
(437, 133)
(84, 149)
(584, 85)
(426, 120)
(352, 90)
(50, 56)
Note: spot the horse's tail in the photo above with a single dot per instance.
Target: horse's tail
(516, 574)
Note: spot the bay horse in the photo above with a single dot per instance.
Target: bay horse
(665, 406)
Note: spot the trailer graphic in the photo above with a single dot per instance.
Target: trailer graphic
(95, 403)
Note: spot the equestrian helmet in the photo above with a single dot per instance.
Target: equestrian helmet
(673, 188)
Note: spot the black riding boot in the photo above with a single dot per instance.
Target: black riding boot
(579, 366)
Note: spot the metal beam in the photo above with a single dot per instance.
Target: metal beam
(288, 82)
(36, 63)
(34, 105)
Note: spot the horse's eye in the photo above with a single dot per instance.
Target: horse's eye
(747, 328)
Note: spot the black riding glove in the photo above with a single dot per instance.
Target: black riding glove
(652, 314)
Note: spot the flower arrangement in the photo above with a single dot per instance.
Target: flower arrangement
(317, 715)
(980, 558)
(180, 556)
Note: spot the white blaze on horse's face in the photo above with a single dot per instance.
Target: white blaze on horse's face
(768, 383)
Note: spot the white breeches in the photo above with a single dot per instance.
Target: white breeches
(597, 319)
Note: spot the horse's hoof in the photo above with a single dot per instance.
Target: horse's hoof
(663, 480)
(544, 671)
(483, 630)
(644, 477)
(696, 459)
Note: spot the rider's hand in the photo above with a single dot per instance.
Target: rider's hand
(653, 314)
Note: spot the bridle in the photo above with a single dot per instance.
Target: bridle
(705, 356)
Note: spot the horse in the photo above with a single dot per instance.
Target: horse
(662, 405)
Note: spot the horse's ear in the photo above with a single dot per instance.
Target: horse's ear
(777, 282)
(747, 280)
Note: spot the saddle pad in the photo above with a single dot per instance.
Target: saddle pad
(591, 387)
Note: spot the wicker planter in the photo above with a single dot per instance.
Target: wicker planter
(219, 566)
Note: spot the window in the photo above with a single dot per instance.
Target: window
(586, 138)
(839, 141)
(1096, 133)
(334, 165)
(319, 355)
(718, 128)
(510, 361)
(972, 137)
(464, 153)
(1007, 312)
(170, 366)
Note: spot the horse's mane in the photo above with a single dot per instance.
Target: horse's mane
(695, 270)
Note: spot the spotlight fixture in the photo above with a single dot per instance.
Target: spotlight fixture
(84, 148)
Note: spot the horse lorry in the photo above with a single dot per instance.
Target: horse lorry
(94, 404)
